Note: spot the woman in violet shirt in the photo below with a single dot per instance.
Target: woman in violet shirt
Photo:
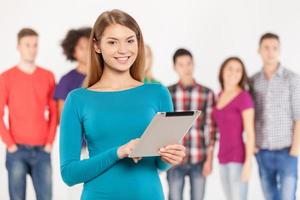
(234, 114)
(75, 48)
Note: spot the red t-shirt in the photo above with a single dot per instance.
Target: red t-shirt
(31, 106)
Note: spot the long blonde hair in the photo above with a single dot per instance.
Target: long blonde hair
(95, 60)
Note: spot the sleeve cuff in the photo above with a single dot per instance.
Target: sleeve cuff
(162, 165)
(114, 153)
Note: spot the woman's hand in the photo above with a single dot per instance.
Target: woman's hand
(126, 149)
(246, 172)
(173, 154)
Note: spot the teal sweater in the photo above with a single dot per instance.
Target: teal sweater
(109, 120)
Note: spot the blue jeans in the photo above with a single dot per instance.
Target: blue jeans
(35, 162)
(234, 187)
(176, 180)
(278, 174)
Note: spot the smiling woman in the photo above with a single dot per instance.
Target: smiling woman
(234, 115)
(111, 113)
(116, 37)
(118, 47)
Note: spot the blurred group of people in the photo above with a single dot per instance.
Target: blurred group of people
(252, 116)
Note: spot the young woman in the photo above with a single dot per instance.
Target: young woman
(234, 114)
(148, 66)
(75, 47)
(112, 112)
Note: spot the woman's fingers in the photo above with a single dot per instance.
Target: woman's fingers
(180, 154)
(174, 160)
(132, 144)
(175, 147)
(174, 151)
(126, 149)
(170, 161)
(136, 160)
(173, 154)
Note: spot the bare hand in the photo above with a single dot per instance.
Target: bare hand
(246, 172)
(294, 153)
(136, 160)
(172, 154)
(48, 148)
(126, 149)
(12, 149)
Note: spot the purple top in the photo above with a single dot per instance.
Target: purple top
(67, 83)
(230, 125)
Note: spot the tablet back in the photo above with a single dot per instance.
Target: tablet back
(165, 128)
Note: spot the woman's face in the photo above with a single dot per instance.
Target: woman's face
(81, 50)
(232, 73)
(119, 47)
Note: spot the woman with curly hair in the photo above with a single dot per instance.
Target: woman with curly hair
(75, 48)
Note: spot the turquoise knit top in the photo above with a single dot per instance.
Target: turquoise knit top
(108, 120)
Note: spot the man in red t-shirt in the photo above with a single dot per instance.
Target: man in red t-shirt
(27, 91)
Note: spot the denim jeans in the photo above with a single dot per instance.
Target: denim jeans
(234, 187)
(278, 174)
(35, 162)
(176, 179)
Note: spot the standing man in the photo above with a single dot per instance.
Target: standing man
(27, 90)
(276, 92)
(187, 94)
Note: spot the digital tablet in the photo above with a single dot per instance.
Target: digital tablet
(166, 128)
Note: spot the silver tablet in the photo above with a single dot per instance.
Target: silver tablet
(165, 128)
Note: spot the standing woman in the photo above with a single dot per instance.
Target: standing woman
(148, 66)
(75, 47)
(112, 111)
(234, 114)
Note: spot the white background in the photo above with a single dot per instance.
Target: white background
(211, 29)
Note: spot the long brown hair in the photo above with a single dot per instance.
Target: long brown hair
(95, 60)
(244, 82)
